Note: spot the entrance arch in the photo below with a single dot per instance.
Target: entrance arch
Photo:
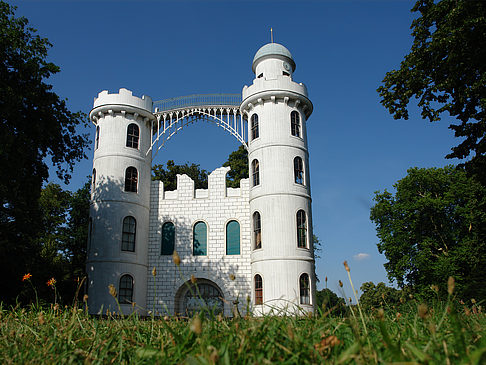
(204, 295)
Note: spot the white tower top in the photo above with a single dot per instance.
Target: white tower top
(273, 50)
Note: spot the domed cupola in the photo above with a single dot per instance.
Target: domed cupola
(271, 60)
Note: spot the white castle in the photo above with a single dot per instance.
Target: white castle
(242, 247)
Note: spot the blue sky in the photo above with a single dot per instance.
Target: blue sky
(342, 50)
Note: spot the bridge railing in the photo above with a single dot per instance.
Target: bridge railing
(188, 101)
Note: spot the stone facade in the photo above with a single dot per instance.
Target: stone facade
(185, 206)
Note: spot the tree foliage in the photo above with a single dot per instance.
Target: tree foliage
(169, 175)
(380, 295)
(36, 126)
(326, 300)
(432, 228)
(446, 72)
(238, 161)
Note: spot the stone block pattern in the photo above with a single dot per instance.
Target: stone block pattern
(184, 207)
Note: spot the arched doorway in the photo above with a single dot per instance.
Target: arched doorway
(204, 295)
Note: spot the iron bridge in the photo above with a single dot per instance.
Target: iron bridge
(174, 114)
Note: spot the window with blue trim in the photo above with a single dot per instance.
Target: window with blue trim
(168, 238)
(233, 238)
(199, 239)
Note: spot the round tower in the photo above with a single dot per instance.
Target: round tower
(120, 196)
(282, 260)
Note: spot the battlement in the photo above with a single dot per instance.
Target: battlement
(216, 188)
(123, 97)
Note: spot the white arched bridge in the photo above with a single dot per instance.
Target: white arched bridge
(174, 114)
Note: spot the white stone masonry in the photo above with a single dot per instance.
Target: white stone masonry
(184, 207)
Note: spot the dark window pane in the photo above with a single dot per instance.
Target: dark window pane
(255, 132)
(257, 230)
(125, 295)
(255, 167)
(304, 289)
(301, 229)
(97, 142)
(168, 238)
(298, 171)
(233, 238)
(128, 235)
(131, 178)
(200, 236)
(132, 135)
(258, 290)
(295, 123)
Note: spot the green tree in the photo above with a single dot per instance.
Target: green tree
(380, 295)
(169, 175)
(446, 72)
(238, 161)
(328, 300)
(432, 228)
(36, 126)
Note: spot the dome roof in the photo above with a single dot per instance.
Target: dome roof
(273, 49)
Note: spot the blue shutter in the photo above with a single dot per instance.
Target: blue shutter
(168, 238)
(233, 238)
(199, 242)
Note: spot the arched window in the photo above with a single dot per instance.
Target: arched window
(131, 179)
(93, 181)
(202, 296)
(257, 230)
(295, 123)
(233, 238)
(304, 289)
(125, 295)
(301, 229)
(97, 140)
(298, 170)
(128, 235)
(132, 135)
(258, 290)
(255, 172)
(255, 132)
(199, 239)
(168, 238)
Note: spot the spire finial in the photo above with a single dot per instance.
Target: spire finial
(271, 34)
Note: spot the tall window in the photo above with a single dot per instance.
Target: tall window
(295, 123)
(298, 170)
(304, 289)
(199, 239)
(233, 238)
(257, 230)
(132, 135)
(168, 238)
(125, 295)
(131, 179)
(255, 172)
(97, 140)
(128, 235)
(93, 181)
(301, 229)
(258, 290)
(255, 132)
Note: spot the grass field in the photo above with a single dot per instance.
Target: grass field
(414, 334)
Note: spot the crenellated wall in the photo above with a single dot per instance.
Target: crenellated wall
(184, 207)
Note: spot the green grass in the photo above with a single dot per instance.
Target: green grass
(439, 335)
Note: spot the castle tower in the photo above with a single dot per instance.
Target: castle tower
(282, 260)
(120, 196)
